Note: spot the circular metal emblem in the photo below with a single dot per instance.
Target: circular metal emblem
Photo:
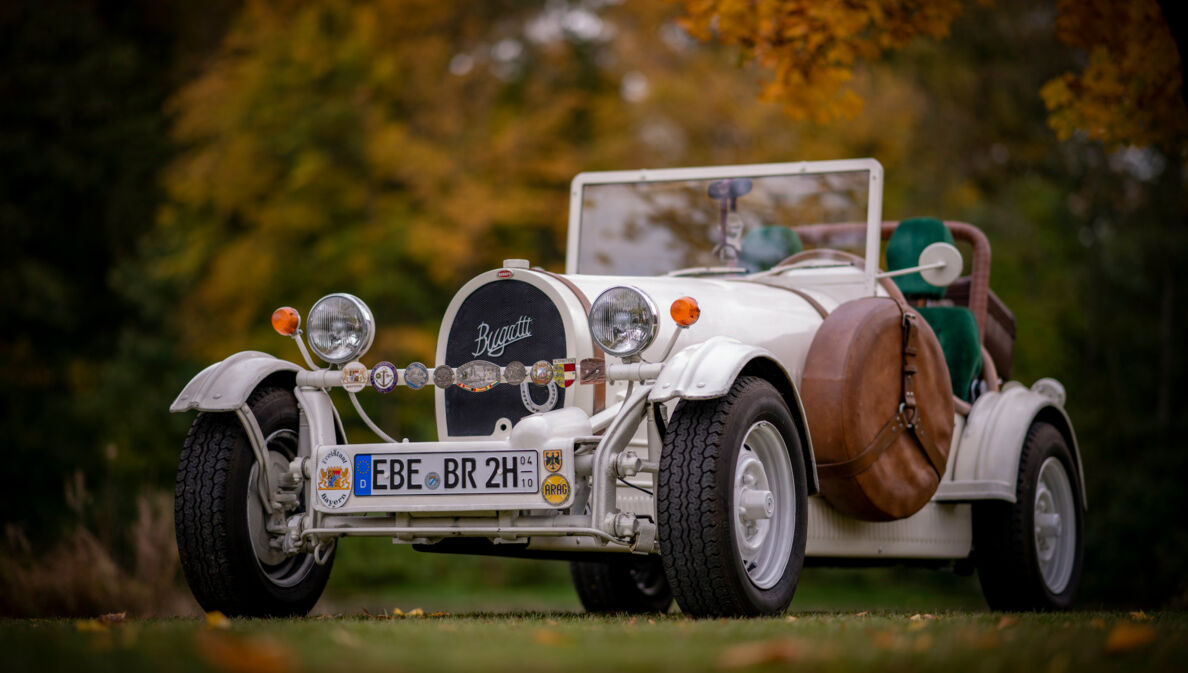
(416, 376)
(542, 373)
(531, 404)
(555, 489)
(443, 376)
(515, 372)
(354, 377)
(383, 377)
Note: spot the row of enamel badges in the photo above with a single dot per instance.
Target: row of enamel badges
(475, 376)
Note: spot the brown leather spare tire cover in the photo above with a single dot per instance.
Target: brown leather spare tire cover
(880, 432)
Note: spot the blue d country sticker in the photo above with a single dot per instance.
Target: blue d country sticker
(363, 474)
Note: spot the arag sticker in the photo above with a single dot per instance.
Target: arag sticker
(334, 478)
(555, 489)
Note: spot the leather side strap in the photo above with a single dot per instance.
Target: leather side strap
(799, 293)
(911, 347)
(599, 388)
(860, 463)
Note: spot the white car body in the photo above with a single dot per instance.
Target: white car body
(744, 326)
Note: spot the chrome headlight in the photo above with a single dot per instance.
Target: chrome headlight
(340, 328)
(623, 321)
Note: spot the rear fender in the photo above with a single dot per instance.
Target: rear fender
(707, 370)
(987, 461)
(226, 385)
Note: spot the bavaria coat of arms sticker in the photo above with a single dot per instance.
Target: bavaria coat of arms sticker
(334, 478)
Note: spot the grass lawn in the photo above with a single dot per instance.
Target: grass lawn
(844, 641)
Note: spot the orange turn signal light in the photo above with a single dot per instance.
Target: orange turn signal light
(685, 311)
(286, 320)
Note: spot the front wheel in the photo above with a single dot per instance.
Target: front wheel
(732, 503)
(231, 561)
(1028, 553)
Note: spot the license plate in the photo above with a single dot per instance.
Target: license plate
(446, 473)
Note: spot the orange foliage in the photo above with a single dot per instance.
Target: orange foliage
(1130, 91)
(811, 47)
(1128, 94)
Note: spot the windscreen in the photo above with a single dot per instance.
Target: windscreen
(655, 227)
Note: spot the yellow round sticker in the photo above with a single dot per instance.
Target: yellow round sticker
(555, 489)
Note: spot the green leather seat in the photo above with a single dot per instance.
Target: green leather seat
(955, 326)
(764, 247)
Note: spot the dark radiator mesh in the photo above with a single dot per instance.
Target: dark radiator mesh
(509, 309)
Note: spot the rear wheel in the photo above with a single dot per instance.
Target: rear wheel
(732, 503)
(227, 554)
(631, 584)
(1029, 552)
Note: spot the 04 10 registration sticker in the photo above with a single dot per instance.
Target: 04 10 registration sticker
(448, 473)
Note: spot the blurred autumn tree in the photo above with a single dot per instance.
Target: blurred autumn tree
(1089, 236)
(1129, 93)
(171, 178)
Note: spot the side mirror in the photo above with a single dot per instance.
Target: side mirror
(940, 264)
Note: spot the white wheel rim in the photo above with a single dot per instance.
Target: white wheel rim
(764, 505)
(1055, 527)
(280, 569)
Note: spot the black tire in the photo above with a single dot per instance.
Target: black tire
(1006, 550)
(214, 483)
(696, 511)
(627, 583)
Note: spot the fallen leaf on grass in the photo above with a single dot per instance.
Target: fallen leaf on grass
(217, 620)
(235, 655)
(549, 637)
(1140, 616)
(761, 652)
(416, 612)
(862, 614)
(1007, 622)
(1129, 637)
(791, 618)
(113, 618)
(344, 638)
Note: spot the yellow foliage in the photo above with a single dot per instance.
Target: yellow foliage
(811, 47)
(1130, 91)
(1128, 94)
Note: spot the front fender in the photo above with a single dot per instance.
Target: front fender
(992, 442)
(707, 370)
(226, 385)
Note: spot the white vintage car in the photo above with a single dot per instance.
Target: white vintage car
(723, 383)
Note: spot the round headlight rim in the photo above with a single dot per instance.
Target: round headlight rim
(368, 320)
(653, 325)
